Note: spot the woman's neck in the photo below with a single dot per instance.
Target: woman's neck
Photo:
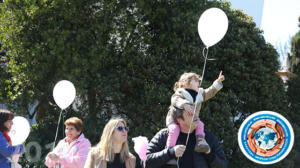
(71, 140)
(117, 148)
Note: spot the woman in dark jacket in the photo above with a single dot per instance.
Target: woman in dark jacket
(6, 148)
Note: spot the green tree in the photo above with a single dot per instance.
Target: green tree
(295, 59)
(124, 58)
(3, 74)
(95, 44)
(246, 60)
(293, 97)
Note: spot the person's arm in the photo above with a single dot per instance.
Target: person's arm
(157, 154)
(214, 88)
(49, 162)
(6, 150)
(132, 161)
(90, 161)
(79, 158)
(216, 158)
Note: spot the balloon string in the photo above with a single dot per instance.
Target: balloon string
(63, 123)
(188, 136)
(57, 129)
(205, 58)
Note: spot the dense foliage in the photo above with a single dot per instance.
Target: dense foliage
(293, 93)
(124, 58)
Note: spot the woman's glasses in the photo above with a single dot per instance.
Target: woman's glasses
(121, 129)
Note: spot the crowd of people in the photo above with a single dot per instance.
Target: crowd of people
(183, 143)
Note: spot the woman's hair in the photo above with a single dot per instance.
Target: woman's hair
(106, 144)
(76, 122)
(185, 79)
(5, 115)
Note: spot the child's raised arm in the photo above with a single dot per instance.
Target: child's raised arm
(221, 77)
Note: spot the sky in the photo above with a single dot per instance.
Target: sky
(278, 19)
(253, 8)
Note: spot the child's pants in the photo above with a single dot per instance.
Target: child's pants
(174, 131)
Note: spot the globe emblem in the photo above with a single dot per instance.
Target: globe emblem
(265, 138)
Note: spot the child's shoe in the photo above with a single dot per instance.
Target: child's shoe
(201, 145)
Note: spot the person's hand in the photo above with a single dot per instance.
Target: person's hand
(221, 77)
(53, 156)
(179, 150)
(21, 149)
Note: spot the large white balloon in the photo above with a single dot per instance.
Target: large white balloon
(212, 26)
(64, 93)
(19, 130)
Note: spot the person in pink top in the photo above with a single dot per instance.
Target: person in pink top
(72, 151)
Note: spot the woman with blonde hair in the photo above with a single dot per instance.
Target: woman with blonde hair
(112, 151)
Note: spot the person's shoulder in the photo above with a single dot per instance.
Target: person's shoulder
(207, 131)
(2, 138)
(163, 131)
(95, 151)
(210, 138)
(209, 134)
(85, 140)
(131, 156)
(61, 142)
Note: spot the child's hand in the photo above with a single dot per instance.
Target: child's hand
(221, 77)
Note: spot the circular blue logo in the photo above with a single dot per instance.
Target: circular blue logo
(266, 137)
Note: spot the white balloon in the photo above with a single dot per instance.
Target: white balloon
(212, 26)
(64, 93)
(19, 130)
